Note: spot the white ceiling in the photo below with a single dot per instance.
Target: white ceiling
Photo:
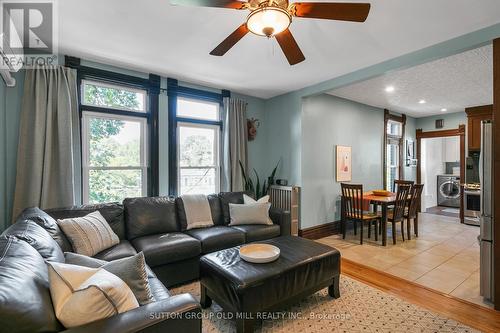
(452, 83)
(175, 41)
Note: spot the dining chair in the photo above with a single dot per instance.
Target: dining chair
(398, 182)
(412, 212)
(352, 210)
(397, 214)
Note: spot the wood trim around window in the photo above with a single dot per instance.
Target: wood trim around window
(400, 119)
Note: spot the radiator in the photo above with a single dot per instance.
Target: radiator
(287, 198)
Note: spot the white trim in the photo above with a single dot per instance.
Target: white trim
(216, 166)
(143, 92)
(86, 168)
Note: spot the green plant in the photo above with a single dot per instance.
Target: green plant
(256, 188)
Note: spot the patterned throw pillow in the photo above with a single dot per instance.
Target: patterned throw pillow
(89, 234)
(132, 270)
(82, 295)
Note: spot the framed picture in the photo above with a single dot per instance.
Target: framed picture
(410, 153)
(344, 164)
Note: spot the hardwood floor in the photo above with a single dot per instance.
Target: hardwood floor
(471, 314)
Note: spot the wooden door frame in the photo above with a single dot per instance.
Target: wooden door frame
(460, 132)
(496, 168)
(400, 119)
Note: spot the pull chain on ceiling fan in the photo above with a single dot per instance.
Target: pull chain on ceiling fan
(272, 18)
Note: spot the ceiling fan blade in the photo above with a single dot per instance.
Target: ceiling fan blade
(230, 41)
(356, 12)
(290, 47)
(233, 4)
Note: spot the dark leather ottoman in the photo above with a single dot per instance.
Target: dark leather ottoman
(248, 290)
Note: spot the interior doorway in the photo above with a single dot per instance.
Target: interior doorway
(441, 167)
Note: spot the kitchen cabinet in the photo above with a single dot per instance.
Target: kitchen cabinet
(475, 116)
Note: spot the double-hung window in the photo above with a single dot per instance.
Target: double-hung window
(114, 142)
(198, 146)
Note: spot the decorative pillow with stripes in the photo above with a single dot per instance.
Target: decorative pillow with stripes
(89, 234)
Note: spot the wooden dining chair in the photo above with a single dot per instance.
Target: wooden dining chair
(352, 210)
(397, 214)
(412, 212)
(398, 182)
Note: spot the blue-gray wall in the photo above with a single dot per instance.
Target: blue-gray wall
(451, 121)
(328, 121)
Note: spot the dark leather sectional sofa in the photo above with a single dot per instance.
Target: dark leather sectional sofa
(156, 226)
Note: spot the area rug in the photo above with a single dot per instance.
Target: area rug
(361, 308)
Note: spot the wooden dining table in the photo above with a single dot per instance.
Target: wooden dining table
(384, 202)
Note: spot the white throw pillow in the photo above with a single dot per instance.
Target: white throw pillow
(89, 234)
(197, 209)
(81, 295)
(250, 200)
(254, 213)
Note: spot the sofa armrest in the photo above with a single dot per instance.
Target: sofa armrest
(180, 313)
(283, 219)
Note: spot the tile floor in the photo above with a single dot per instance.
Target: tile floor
(445, 256)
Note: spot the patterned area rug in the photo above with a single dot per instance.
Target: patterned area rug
(360, 308)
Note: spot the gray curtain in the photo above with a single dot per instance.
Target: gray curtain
(48, 160)
(235, 139)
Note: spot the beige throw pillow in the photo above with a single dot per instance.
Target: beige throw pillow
(197, 209)
(81, 295)
(254, 213)
(89, 234)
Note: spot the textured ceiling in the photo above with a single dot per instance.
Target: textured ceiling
(453, 83)
(153, 36)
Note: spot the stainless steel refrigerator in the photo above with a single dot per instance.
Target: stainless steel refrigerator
(487, 222)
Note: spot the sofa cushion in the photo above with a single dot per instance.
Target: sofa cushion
(255, 233)
(112, 213)
(230, 197)
(167, 248)
(47, 222)
(122, 250)
(38, 238)
(150, 216)
(215, 208)
(217, 238)
(25, 302)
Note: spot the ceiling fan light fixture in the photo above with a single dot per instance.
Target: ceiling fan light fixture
(268, 21)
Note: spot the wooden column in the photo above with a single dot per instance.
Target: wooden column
(496, 168)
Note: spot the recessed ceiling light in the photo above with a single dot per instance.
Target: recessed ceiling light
(422, 101)
(444, 109)
(389, 89)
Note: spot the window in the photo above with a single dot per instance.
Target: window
(198, 152)
(114, 97)
(114, 157)
(114, 142)
(393, 153)
(198, 143)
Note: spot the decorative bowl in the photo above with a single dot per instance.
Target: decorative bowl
(382, 193)
(259, 253)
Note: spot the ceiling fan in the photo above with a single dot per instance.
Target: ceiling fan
(272, 18)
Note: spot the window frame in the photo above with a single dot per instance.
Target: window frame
(176, 91)
(151, 85)
(217, 148)
(86, 168)
(393, 139)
